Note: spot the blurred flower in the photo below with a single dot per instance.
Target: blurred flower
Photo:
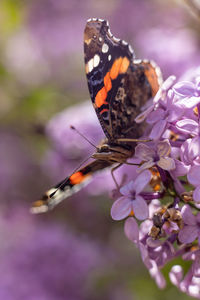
(23, 58)
(167, 47)
(69, 149)
(17, 168)
(45, 261)
(189, 283)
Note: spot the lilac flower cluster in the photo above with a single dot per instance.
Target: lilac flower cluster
(161, 205)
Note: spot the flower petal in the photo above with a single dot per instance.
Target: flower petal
(184, 88)
(194, 147)
(156, 116)
(188, 234)
(196, 194)
(176, 274)
(140, 208)
(157, 275)
(146, 165)
(140, 118)
(187, 215)
(145, 256)
(187, 126)
(121, 208)
(131, 230)
(193, 175)
(163, 148)
(141, 181)
(127, 189)
(144, 152)
(167, 84)
(189, 102)
(166, 163)
(180, 168)
(158, 130)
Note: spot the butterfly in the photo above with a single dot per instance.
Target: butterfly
(119, 85)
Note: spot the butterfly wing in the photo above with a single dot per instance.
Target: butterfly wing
(68, 186)
(118, 85)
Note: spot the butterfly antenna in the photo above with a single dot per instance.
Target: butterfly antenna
(77, 131)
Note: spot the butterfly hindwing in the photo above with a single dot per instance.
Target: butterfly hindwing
(68, 186)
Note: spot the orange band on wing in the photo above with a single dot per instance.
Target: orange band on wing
(107, 82)
(124, 65)
(103, 110)
(152, 78)
(115, 68)
(77, 178)
(119, 66)
(101, 96)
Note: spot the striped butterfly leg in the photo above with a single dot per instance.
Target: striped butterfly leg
(68, 186)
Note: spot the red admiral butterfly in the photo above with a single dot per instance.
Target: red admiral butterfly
(119, 86)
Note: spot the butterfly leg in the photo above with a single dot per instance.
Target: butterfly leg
(112, 174)
(133, 140)
(131, 164)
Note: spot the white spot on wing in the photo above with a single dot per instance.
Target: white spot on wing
(124, 43)
(109, 57)
(130, 49)
(38, 210)
(137, 61)
(96, 60)
(51, 191)
(90, 65)
(109, 32)
(116, 39)
(105, 48)
(100, 39)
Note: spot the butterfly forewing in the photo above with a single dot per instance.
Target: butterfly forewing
(107, 60)
(118, 85)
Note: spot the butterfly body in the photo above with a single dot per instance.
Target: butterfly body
(119, 85)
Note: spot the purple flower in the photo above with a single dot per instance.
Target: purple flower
(190, 151)
(155, 254)
(190, 283)
(158, 156)
(189, 92)
(167, 113)
(193, 178)
(191, 229)
(132, 200)
(160, 96)
(151, 264)
(131, 230)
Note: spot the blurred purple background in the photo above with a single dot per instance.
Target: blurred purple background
(76, 251)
